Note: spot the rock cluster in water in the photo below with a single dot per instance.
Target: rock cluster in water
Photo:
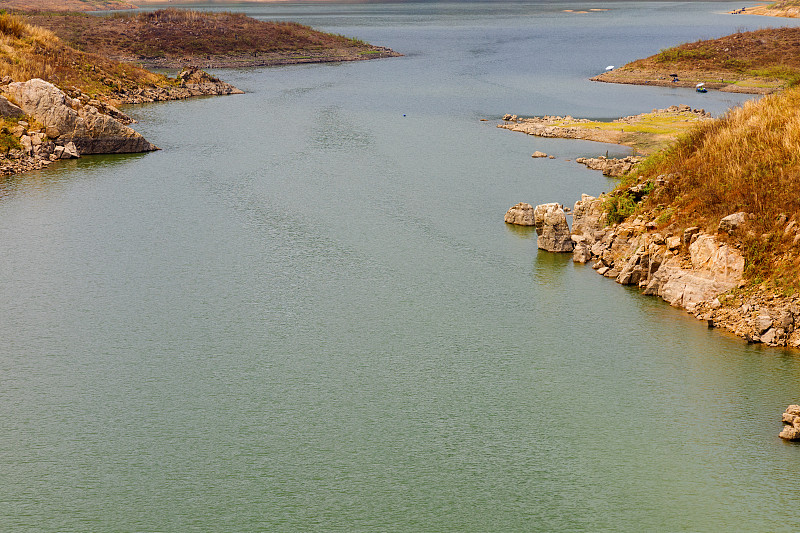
(791, 421)
(192, 81)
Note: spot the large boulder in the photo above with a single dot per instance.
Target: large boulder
(715, 268)
(67, 120)
(588, 216)
(552, 228)
(520, 214)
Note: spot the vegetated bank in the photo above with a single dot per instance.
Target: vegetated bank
(174, 38)
(786, 8)
(758, 62)
(93, 80)
(710, 224)
(75, 101)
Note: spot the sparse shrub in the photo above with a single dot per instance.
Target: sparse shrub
(618, 207)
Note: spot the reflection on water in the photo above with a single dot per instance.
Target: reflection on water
(306, 312)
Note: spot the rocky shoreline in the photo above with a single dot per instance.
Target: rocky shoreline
(272, 59)
(699, 272)
(51, 124)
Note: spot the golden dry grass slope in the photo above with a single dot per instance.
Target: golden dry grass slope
(28, 51)
(749, 160)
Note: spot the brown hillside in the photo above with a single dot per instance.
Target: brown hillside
(749, 160)
(757, 61)
(28, 51)
(173, 37)
(66, 5)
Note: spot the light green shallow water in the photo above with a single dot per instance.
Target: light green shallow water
(305, 312)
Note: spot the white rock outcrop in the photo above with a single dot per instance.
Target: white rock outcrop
(68, 120)
(552, 228)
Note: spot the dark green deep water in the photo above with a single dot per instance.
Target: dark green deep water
(305, 311)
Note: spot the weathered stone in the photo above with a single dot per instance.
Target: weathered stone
(537, 154)
(716, 269)
(581, 253)
(791, 419)
(70, 151)
(731, 222)
(769, 336)
(790, 433)
(9, 110)
(520, 214)
(552, 228)
(763, 323)
(91, 131)
(688, 234)
(588, 217)
(673, 243)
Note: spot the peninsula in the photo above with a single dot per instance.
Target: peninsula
(646, 132)
(62, 75)
(757, 62)
(175, 38)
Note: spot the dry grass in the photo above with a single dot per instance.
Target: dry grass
(748, 160)
(28, 51)
(180, 33)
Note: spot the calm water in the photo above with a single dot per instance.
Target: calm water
(306, 312)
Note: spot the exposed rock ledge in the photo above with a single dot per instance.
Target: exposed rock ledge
(67, 120)
(691, 269)
(192, 82)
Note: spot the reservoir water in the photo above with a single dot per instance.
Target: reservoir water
(306, 313)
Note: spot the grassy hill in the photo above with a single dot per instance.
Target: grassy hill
(28, 51)
(173, 37)
(755, 61)
(749, 160)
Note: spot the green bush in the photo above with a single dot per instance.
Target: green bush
(619, 207)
